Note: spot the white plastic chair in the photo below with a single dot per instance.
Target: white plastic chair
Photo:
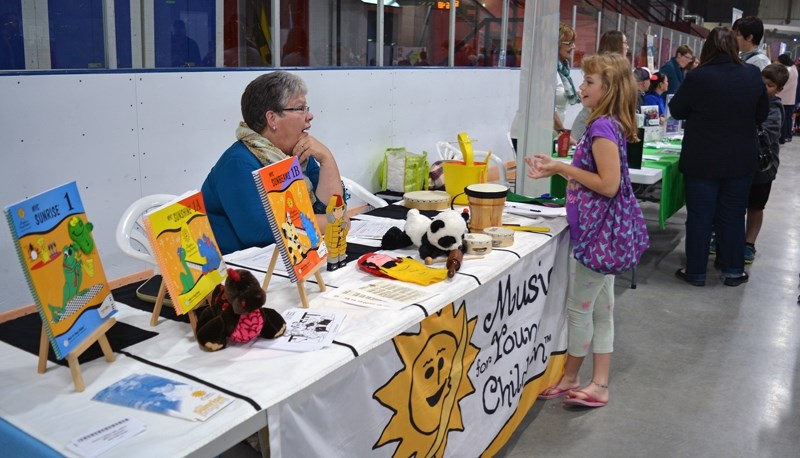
(449, 152)
(361, 193)
(130, 235)
(132, 238)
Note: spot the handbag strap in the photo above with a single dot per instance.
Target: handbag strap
(624, 172)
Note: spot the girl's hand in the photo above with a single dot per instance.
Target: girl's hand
(542, 166)
(309, 146)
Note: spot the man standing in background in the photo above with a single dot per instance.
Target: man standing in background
(185, 52)
(748, 32)
(673, 69)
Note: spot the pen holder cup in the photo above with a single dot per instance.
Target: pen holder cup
(486, 204)
(458, 175)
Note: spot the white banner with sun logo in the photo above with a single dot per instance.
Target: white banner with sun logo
(455, 385)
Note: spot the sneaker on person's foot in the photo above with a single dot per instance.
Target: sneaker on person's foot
(749, 254)
(736, 281)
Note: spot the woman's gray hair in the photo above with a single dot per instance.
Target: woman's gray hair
(269, 92)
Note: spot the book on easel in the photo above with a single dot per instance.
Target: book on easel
(185, 250)
(288, 205)
(62, 266)
(287, 202)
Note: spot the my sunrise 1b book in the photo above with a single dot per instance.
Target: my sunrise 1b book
(54, 243)
(185, 249)
(289, 209)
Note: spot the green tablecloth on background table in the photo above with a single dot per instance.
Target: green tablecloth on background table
(672, 190)
(673, 195)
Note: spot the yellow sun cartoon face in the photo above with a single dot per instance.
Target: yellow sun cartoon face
(424, 395)
(430, 378)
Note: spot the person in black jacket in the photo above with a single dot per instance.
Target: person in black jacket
(722, 102)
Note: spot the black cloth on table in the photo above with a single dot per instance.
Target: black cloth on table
(127, 295)
(24, 333)
(397, 212)
(355, 250)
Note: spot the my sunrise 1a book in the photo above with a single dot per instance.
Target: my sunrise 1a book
(287, 202)
(185, 250)
(54, 243)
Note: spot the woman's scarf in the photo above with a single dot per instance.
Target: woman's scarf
(267, 153)
(262, 149)
(566, 80)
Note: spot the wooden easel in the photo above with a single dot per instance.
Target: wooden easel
(301, 288)
(162, 291)
(99, 336)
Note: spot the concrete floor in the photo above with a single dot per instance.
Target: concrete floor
(697, 372)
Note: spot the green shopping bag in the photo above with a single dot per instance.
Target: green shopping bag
(403, 171)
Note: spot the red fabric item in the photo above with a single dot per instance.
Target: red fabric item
(371, 262)
(248, 328)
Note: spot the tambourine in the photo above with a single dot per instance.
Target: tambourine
(478, 244)
(501, 236)
(427, 200)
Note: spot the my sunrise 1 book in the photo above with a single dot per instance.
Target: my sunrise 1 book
(54, 243)
(185, 249)
(287, 202)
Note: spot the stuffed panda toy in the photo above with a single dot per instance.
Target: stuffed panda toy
(435, 237)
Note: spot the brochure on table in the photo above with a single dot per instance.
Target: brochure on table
(382, 294)
(162, 395)
(96, 441)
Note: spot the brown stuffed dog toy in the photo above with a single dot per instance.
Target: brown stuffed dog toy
(237, 314)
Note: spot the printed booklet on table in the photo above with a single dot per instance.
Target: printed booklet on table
(161, 395)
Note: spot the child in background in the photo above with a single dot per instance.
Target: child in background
(774, 76)
(642, 77)
(658, 86)
(609, 91)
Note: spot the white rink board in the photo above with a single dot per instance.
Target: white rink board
(125, 135)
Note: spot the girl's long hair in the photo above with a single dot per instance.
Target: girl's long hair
(620, 97)
(611, 41)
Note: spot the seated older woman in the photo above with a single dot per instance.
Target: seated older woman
(276, 121)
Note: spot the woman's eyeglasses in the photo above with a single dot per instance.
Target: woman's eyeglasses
(301, 108)
(568, 43)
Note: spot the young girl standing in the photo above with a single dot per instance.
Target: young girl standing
(597, 173)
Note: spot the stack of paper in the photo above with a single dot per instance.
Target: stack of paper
(533, 211)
